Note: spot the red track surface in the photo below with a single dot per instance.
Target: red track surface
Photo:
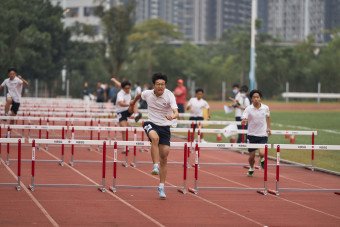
(141, 207)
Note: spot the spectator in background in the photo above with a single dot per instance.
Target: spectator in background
(86, 92)
(113, 91)
(100, 93)
(142, 103)
(180, 93)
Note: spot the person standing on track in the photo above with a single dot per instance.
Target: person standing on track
(14, 86)
(162, 109)
(196, 106)
(241, 102)
(257, 116)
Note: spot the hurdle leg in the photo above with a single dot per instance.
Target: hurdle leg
(194, 190)
(113, 187)
(276, 191)
(102, 188)
(183, 190)
(18, 187)
(265, 176)
(31, 186)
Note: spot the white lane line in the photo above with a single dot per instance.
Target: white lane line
(281, 176)
(112, 194)
(36, 202)
(306, 128)
(287, 200)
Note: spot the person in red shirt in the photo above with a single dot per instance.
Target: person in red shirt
(180, 93)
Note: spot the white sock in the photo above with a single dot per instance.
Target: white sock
(161, 185)
(251, 169)
(155, 165)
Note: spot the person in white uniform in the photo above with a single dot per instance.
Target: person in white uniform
(162, 110)
(14, 84)
(196, 106)
(257, 116)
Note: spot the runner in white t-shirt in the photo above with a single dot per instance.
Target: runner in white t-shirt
(162, 110)
(14, 86)
(196, 106)
(257, 116)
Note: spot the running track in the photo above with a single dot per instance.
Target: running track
(141, 207)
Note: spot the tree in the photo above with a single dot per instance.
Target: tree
(32, 38)
(118, 23)
(147, 37)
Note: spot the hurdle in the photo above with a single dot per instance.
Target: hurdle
(278, 147)
(35, 127)
(18, 141)
(262, 191)
(33, 185)
(115, 186)
(302, 133)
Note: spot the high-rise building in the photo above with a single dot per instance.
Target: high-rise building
(79, 13)
(332, 17)
(295, 20)
(231, 13)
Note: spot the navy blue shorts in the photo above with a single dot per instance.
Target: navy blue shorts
(123, 116)
(180, 108)
(257, 140)
(162, 131)
(15, 107)
(196, 119)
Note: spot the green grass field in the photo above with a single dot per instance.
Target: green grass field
(327, 124)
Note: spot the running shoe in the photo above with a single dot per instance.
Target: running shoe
(155, 171)
(161, 193)
(250, 172)
(138, 117)
(262, 163)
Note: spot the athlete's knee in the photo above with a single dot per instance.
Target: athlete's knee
(155, 140)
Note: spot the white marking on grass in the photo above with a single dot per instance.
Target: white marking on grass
(306, 128)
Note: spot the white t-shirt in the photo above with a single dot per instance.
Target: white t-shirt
(125, 97)
(14, 88)
(159, 107)
(196, 107)
(257, 124)
(244, 102)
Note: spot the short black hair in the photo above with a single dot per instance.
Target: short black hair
(244, 88)
(199, 90)
(255, 91)
(12, 69)
(125, 83)
(159, 76)
(236, 85)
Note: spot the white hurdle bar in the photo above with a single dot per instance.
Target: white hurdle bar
(13, 141)
(299, 147)
(196, 188)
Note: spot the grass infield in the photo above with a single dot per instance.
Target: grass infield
(327, 123)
